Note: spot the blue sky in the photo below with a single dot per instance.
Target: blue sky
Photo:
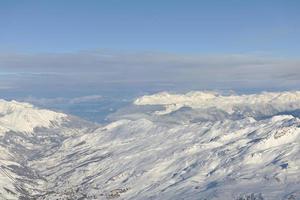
(55, 51)
(177, 26)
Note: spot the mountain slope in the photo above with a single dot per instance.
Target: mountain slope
(28, 133)
(24, 117)
(144, 160)
(201, 145)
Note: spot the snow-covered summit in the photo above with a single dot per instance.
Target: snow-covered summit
(267, 103)
(24, 117)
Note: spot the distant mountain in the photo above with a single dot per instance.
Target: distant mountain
(255, 105)
(199, 145)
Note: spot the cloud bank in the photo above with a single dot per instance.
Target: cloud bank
(107, 69)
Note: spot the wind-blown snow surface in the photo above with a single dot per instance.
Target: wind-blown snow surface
(200, 145)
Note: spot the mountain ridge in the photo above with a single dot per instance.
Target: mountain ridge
(195, 153)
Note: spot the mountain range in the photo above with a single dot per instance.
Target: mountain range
(197, 146)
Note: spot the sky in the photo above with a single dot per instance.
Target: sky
(177, 26)
(54, 51)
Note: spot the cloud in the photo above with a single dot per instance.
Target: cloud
(107, 69)
(62, 100)
(45, 101)
(84, 99)
(5, 86)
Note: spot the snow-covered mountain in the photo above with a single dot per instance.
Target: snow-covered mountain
(29, 133)
(256, 105)
(23, 117)
(199, 145)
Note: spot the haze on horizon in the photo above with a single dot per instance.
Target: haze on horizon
(55, 51)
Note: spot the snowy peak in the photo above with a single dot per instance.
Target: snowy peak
(24, 117)
(165, 98)
(263, 104)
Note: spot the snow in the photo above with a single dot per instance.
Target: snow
(24, 117)
(156, 155)
(277, 102)
(153, 160)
